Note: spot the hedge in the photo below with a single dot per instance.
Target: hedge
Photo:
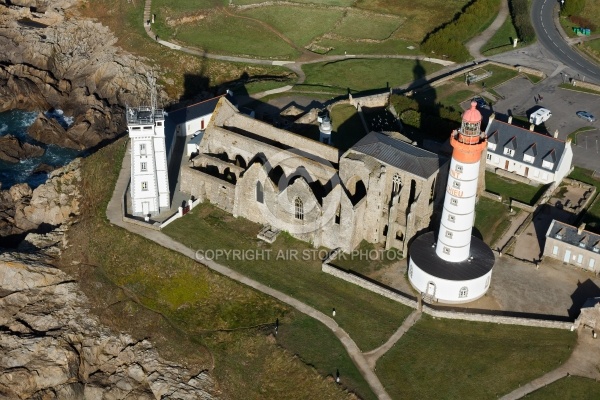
(519, 12)
(449, 39)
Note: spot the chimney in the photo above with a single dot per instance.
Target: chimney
(556, 134)
(531, 127)
(580, 229)
(510, 119)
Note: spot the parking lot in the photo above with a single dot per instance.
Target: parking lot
(519, 99)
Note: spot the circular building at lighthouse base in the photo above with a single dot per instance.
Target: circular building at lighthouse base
(450, 282)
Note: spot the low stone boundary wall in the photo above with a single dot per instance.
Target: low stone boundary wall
(497, 319)
(366, 284)
(405, 299)
(492, 196)
(586, 85)
(522, 206)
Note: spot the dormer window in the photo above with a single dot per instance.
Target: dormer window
(491, 146)
(528, 158)
(581, 244)
(547, 164)
(509, 152)
(596, 250)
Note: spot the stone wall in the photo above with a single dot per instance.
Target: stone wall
(405, 299)
(206, 187)
(586, 85)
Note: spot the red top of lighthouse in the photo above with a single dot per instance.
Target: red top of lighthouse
(472, 115)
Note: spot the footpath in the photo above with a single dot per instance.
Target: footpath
(115, 216)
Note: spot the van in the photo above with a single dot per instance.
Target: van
(539, 116)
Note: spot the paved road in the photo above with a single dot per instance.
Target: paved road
(114, 214)
(543, 18)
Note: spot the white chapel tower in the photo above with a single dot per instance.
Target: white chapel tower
(149, 185)
(460, 268)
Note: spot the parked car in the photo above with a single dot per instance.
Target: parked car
(586, 115)
(480, 101)
(539, 116)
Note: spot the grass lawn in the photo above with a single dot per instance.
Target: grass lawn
(491, 219)
(347, 126)
(421, 16)
(463, 359)
(594, 44)
(359, 264)
(315, 21)
(362, 74)
(499, 76)
(363, 25)
(568, 86)
(125, 20)
(256, 41)
(339, 45)
(369, 318)
(502, 39)
(568, 388)
(191, 314)
(508, 188)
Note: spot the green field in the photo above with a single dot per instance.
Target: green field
(315, 22)
(568, 388)
(451, 359)
(380, 26)
(510, 189)
(502, 39)
(367, 317)
(362, 74)
(491, 219)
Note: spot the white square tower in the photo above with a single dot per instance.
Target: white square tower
(149, 168)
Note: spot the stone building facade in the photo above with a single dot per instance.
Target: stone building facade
(573, 245)
(381, 190)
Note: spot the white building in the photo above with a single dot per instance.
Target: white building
(538, 157)
(460, 268)
(149, 186)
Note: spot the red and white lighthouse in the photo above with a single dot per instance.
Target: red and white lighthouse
(460, 269)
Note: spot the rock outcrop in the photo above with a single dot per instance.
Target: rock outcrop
(14, 150)
(51, 348)
(54, 203)
(50, 61)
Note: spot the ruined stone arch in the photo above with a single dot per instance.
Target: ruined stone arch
(356, 189)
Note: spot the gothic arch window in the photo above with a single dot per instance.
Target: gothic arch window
(259, 192)
(299, 209)
(396, 183)
(463, 292)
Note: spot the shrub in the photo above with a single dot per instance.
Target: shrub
(448, 39)
(411, 117)
(519, 12)
(582, 22)
(572, 7)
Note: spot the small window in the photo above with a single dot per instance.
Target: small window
(592, 263)
(459, 168)
(581, 244)
(463, 292)
(453, 201)
(555, 250)
(144, 167)
(451, 218)
(143, 149)
(487, 282)
(144, 185)
(446, 250)
(159, 124)
(259, 192)
(489, 157)
(449, 234)
(579, 259)
(299, 208)
(456, 184)
(410, 272)
(509, 152)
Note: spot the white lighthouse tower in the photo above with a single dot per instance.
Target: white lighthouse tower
(149, 185)
(460, 269)
(325, 129)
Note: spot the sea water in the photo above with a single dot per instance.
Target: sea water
(16, 122)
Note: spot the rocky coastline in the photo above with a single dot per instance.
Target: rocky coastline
(50, 345)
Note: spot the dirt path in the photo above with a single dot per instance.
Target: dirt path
(584, 361)
(115, 216)
(474, 45)
(373, 355)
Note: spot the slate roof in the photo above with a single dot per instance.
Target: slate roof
(568, 234)
(524, 141)
(399, 154)
(197, 110)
